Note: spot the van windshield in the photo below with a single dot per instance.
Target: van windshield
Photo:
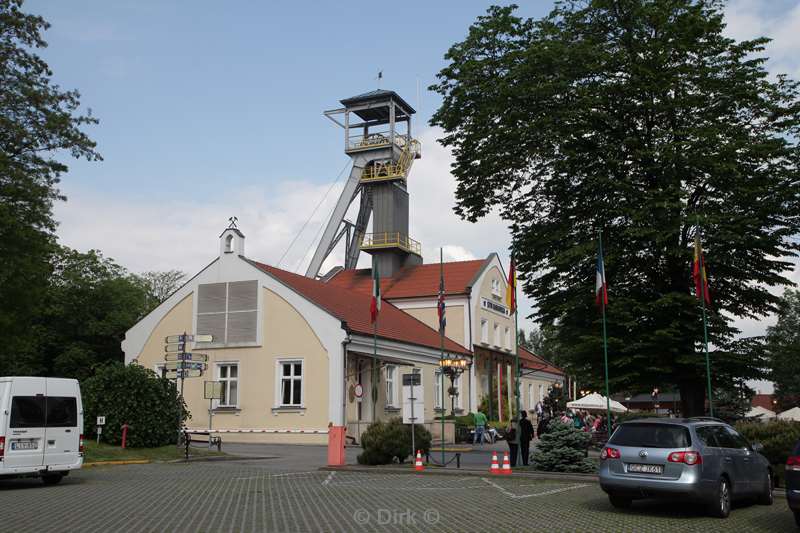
(652, 436)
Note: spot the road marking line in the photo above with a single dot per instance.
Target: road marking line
(329, 478)
(294, 473)
(522, 496)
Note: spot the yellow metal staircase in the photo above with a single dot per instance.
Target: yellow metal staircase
(392, 170)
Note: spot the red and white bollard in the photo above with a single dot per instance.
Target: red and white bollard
(124, 434)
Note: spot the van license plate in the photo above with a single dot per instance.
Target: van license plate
(646, 469)
(24, 445)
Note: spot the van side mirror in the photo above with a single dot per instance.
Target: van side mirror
(757, 447)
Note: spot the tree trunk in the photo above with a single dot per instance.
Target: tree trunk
(693, 396)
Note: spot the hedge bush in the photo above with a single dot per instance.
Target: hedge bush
(778, 438)
(384, 441)
(563, 449)
(137, 396)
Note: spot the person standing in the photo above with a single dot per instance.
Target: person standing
(525, 437)
(480, 427)
(511, 438)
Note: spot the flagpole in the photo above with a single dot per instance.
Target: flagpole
(705, 320)
(605, 336)
(516, 376)
(441, 354)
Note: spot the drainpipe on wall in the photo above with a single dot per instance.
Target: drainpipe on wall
(345, 342)
(469, 346)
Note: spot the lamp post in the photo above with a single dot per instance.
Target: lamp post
(453, 367)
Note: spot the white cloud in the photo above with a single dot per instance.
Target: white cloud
(778, 20)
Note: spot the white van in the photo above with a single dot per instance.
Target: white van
(41, 427)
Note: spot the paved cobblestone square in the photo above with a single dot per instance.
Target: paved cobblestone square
(252, 496)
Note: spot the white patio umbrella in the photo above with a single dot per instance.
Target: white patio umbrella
(596, 402)
(791, 414)
(760, 413)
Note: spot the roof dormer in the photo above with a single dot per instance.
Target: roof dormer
(231, 241)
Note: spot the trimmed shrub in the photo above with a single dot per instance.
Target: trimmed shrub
(134, 395)
(384, 441)
(778, 438)
(563, 449)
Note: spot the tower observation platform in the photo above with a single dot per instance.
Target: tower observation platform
(377, 137)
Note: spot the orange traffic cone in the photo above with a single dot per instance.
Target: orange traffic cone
(495, 469)
(506, 465)
(418, 466)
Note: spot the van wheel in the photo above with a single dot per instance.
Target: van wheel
(766, 497)
(619, 501)
(720, 506)
(51, 479)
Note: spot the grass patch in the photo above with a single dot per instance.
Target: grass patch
(105, 452)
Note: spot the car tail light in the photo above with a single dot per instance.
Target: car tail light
(2, 447)
(792, 463)
(689, 458)
(609, 453)
(80, 445)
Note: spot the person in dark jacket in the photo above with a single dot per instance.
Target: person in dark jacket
(511, 438)
(525, 437)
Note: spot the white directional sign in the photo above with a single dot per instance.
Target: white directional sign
(101, 421)
(188, 338)
(186, 357)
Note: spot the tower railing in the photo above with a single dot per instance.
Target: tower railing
(391, 239)
(391, 170)
(378, 139)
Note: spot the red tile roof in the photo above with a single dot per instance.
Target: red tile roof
(763, 400)
(413, 282)
(352, 307)
(532, 361)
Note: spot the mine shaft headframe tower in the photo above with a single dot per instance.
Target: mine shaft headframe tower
(377, 136)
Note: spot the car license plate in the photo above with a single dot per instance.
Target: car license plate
(646, 469)
(24, 445)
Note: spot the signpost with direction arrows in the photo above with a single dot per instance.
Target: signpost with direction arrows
(180, 364)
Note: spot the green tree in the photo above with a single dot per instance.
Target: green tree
(133, 395)
(638, 118)
(89, 304)
(563, 449)
(38, 122)
(161, 284)
(783, 350)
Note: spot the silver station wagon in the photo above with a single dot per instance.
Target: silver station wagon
(698, 459)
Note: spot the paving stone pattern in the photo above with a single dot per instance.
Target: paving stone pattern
(252, 496)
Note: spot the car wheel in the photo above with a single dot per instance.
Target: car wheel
(797, 518)
(766, 497)
(618, 501)
(720, 507)
(51, 479)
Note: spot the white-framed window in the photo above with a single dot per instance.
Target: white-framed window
(484, 331)
(438, 382)
(159, 369)
(228, 375)
(508, 338)
(541, 393)
(496, 287)
(496, 335)
(457, 385)
(228, 312)
(391, 386)
(229, 244)
(290, 383)
(531, 399)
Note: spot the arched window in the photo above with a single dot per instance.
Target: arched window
(229, 244)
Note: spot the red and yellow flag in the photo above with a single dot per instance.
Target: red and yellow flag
(511, 290)
(699, 272)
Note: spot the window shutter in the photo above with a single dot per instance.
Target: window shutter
(211, 298)
(243, 296)
(212, 324)
(242, 327)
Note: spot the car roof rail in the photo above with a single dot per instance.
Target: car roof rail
(707, 418)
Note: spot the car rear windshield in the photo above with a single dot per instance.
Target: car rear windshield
(652, 436)
(797, 448)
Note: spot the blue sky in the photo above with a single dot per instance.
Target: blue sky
(192, 95)
(214, 109)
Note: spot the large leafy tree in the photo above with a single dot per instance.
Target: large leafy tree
(783, 350)
(38, 121)
(89, 304)
(640, 119)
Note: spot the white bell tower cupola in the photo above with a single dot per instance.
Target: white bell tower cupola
(231, 241)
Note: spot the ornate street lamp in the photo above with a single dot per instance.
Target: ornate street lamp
(453, 366)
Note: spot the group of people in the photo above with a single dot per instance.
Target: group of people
(585, 421)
